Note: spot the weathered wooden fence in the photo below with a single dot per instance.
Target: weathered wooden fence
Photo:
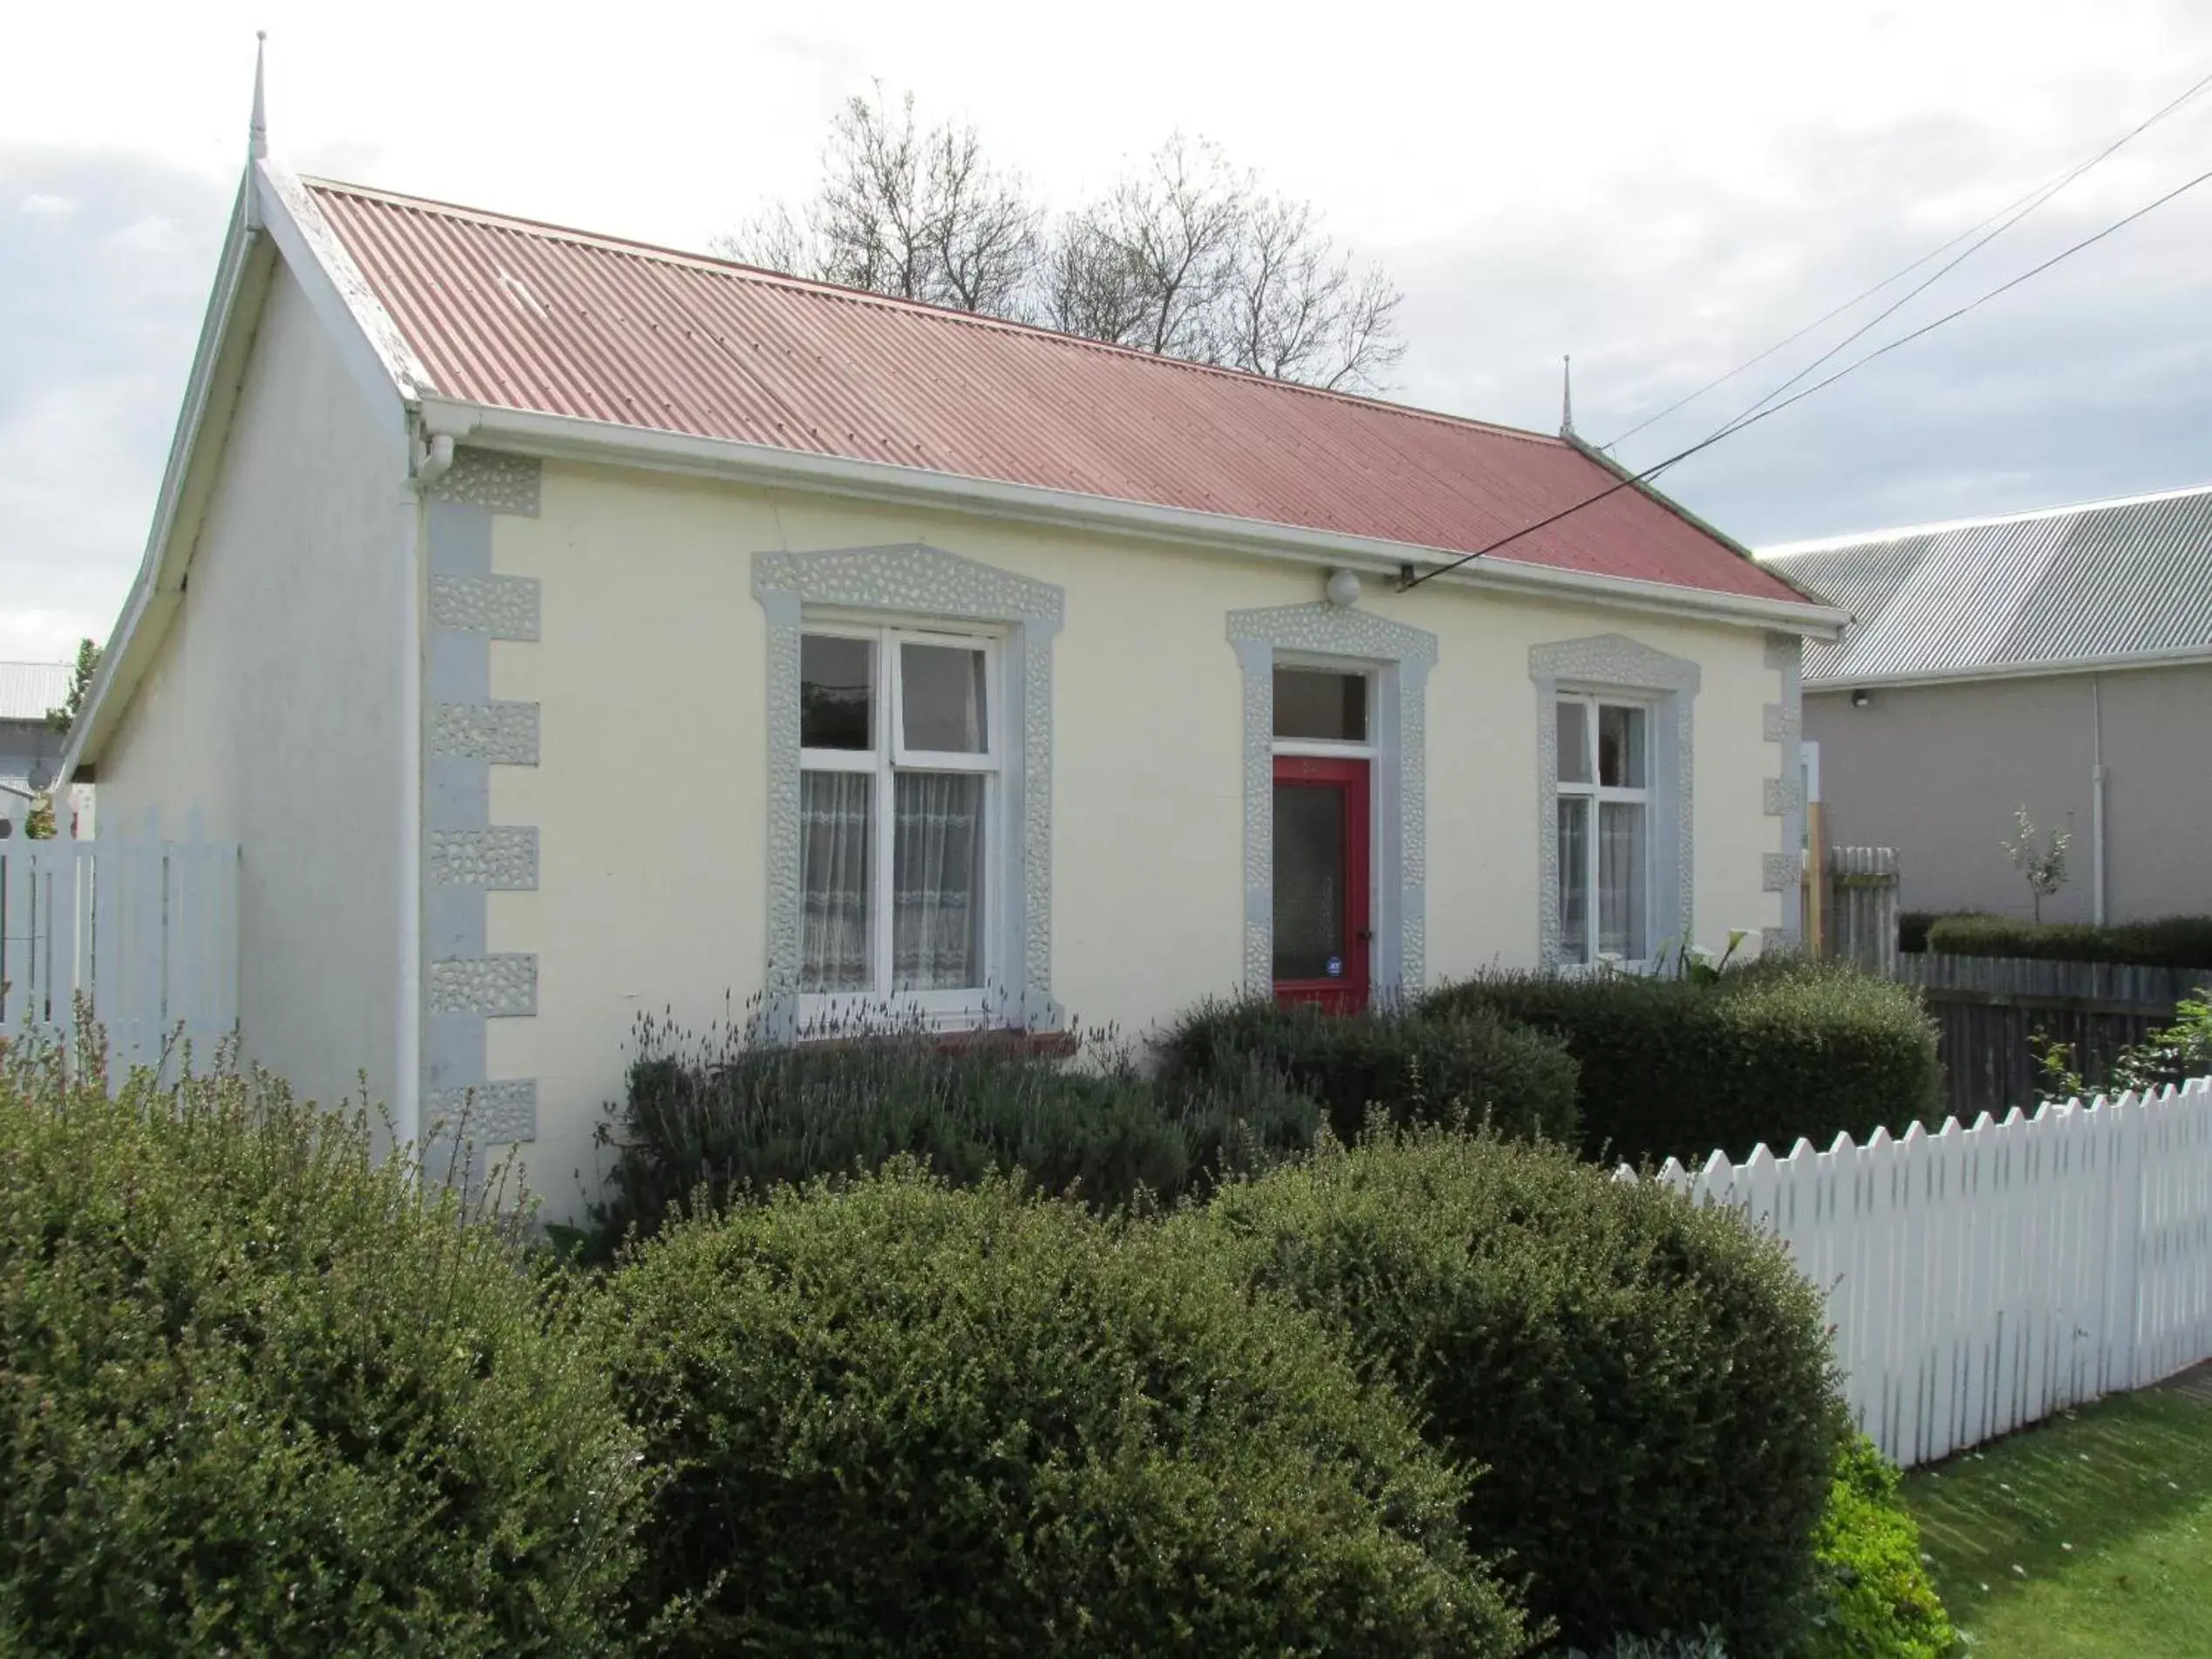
(1862, 907)
(1990, 1010)
(1981, 1279)
(145, 931)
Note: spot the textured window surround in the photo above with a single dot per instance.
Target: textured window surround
(1402, 658)
(914, 582)
(1613, 663)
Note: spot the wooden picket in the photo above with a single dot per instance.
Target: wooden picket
(1982, 1278)
(145, 932)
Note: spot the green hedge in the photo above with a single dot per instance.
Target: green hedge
(1772, 1053)
(1646, 1383)
(915, 1420)
(727, 1113)
(1877, 1600)
(2176, 941)
(1430, 1064)
(258, 1395)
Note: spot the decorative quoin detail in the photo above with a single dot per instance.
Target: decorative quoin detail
(500, 607)
(503, 858)
(485, 478)
(487, 1114)
(502, 732)
(913, 579)
(1783, 723)
(1779, 872)
(491, 987)
(1404, 656)
(1614, 662)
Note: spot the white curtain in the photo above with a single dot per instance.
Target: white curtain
(937, 900)
(833, 881)
(1620, 879)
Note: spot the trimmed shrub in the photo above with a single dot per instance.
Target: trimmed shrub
(1431, 1064)
(1772, 1052)
(911, 1419)
(1877, 1600)
(728, 1113)
(259, 1394)
(1646, 1383)
(2175, 941)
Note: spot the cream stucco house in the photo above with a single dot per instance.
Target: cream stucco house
(566, 628)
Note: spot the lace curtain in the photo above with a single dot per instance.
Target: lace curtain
(1621, 880)
(833, 881)
(937, 900)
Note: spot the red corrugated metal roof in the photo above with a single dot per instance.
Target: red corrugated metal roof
(522, 315)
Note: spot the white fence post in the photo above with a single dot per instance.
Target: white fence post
(1981, 1279)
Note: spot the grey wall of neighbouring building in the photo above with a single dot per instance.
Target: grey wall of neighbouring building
(28, 749)
(1937, 771)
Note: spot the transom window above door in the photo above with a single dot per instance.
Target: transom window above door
(900, 758)
(1604, 830)
(1321, 706)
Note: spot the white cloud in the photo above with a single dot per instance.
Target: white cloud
(40, 206)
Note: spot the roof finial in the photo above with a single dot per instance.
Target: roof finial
(1567, 397)
(257, 134)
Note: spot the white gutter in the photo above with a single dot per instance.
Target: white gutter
(567, 437)
(2168, 657)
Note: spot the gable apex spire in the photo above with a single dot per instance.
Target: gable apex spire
(257, 132)
(1567, 397)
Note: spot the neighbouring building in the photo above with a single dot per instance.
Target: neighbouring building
(569, 629)
(30, 747)
(2060, 661)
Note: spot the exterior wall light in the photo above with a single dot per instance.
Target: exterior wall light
(1860, 698)
(1344, 587)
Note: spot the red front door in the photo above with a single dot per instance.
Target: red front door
(1322, 928)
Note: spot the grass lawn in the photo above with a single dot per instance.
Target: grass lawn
(2091, 1534)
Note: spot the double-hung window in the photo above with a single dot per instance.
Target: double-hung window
(900, 756)
(1604, 828)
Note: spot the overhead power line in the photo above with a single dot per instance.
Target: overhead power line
(2011, 214)
(1753, 416)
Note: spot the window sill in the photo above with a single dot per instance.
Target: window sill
(1011, 1041)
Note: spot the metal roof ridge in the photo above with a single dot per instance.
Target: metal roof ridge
(1943, 527)
(740, 271)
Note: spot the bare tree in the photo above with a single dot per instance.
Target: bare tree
(1183, 255)
(1297, 311)
(921, 216)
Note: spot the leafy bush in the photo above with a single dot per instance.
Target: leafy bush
(1430, 1064)
(1876, 1599)
(911, 1419)
(728, 1112)
(1646, 1383)
(2176, 941)
(1705, 1646)
(1773, 1052)
(259, 1394)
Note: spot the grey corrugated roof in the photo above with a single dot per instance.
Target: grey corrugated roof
(29, 689)
(2070, 586)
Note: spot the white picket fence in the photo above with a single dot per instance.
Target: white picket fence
(145, 931)
(1981, 1279)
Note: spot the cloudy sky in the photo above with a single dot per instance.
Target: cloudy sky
(1661, 190)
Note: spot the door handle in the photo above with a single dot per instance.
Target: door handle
(1367, 936)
